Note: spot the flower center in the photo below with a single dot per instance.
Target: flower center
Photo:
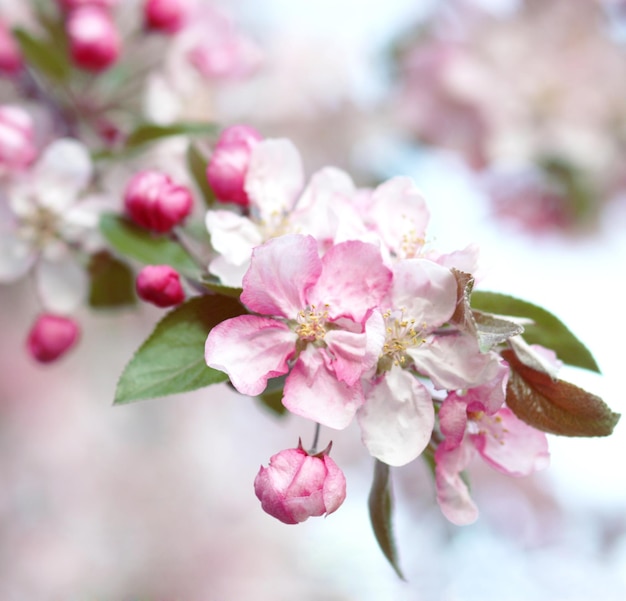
(39, 227)
(489, 425)
(311, 324)
(401, 334)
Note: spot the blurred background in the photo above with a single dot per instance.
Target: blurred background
(511, 118)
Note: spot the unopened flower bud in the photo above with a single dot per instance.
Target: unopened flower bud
(156, 203)
(226, 172)
(296, 485)
(17, 139)
(10, 55)
(160, 285)
(93, 37)
(166, 16)
(51, 337)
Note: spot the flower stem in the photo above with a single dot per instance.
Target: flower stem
(316, 437)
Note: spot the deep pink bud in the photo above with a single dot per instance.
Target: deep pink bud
(17, 138)
(51, 337)
(10, 54)
(227, 169)
(93, 37)
(155, 202)
(296, 485)
(160, 285)
(166, 16)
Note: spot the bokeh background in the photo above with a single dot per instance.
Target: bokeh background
(154, 501)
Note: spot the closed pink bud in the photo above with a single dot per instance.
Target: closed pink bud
(227, 169)
(17, 139)
(296, 485)
(156, 203)
(166, 16)
(51, 337)
(10, 55)
(93, 37)
(160, 285)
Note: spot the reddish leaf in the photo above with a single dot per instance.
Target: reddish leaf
(553, 405)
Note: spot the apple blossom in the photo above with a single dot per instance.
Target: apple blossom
(51, 336)
(166, 16)
(477, 422)
(160, 285)
(17, 138)
(398, 416)
(155, 202)
(46, 223)
(279, 204)
(314, 319)
(296, 486)
(94, 42)
(227, 169)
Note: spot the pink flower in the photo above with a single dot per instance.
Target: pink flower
(93, 38)
(160, 285)
(10, 56)
(296, 485)
(51, 336)
(155, 202)
(227, 169)
(166, 16)
(17, 138)
(315, 318)
(478, 423)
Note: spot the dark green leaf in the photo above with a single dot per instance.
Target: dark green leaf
(171, 360)
(223, 290)
(145, 247)
(150, 132)
(272, 396)
(112, 282)
(553, 405)
(546, 329)
(380, 507)
(197, 164)
(43, 56)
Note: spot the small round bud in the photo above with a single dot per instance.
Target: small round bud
(166, 16)
(93, 38)
(227, 169)
(10, 56)
(296, 485)
(17, 138)
(160, 285)
(156, 203)
(51, 337)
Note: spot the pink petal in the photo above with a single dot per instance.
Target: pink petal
(353, 281)
(397, 418)
(281, 270)
(427, 291)
(452, 493)
(313, 391)
(454, 361)
(510, 445)
(453, 420)
(250, 349)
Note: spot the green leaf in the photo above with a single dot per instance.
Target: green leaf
(555, 406)
(171, 360)
(380, 507)
(43, 56)
(197, 164)
(150, 132)
(546, 329)
(272, 396)
(112, 282)
(221, 289)
(143, 246)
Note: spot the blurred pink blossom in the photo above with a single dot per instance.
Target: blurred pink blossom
(160, 285)
(51, 336)
(17, 138)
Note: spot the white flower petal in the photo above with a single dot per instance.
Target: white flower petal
(62, 284)
(16, 256)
